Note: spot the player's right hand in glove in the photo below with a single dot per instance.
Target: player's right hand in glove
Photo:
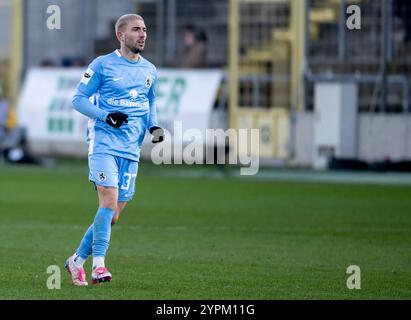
(158, 134)
(116, 119)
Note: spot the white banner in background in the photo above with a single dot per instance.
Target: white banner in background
(187, 96)
(46, 111)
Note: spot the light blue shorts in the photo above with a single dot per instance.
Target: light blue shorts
(112, 171)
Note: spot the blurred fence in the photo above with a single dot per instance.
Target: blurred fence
(272, 52)
(261, 69)
(280, 42)
(377, 57)
(264, 59)
(276, 52)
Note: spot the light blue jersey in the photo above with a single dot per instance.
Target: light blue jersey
(118, 85)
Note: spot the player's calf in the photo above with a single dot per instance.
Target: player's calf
(114, 220)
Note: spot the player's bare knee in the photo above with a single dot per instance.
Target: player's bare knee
(110, 203)
(108, 197)
(109, 206)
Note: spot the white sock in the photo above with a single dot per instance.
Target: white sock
(78, 261)
(98, 262)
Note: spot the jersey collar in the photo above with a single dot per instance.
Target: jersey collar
(117, 52)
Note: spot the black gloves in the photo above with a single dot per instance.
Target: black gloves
(158, 134)
(116, 119)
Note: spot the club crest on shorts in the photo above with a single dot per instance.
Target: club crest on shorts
(101, 176)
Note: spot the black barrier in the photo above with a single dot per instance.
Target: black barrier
(360, 165)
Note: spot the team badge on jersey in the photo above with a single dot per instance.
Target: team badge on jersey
(101, 176)
(87, 76)
(133, 93)
(148, 82)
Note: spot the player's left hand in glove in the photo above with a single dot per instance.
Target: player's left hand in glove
(116, 119)
(158, 134)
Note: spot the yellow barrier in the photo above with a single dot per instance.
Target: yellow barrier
(274, 129)
(15, 61)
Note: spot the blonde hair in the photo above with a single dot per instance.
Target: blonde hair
(125, 19)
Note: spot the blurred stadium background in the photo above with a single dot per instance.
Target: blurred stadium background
(322, 96)
(278, 55)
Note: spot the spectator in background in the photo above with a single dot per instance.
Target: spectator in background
(195, 54)
(12, 137)
(73, 62)
(47, 63)
(3, 116)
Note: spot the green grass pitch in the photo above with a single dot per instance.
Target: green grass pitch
(207, 238)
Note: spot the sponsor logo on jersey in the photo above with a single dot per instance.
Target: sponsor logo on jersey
(126, 103)
(87, 76)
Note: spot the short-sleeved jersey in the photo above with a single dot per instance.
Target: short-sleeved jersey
(120, 85)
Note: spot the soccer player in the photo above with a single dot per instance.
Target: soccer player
(123, 84)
